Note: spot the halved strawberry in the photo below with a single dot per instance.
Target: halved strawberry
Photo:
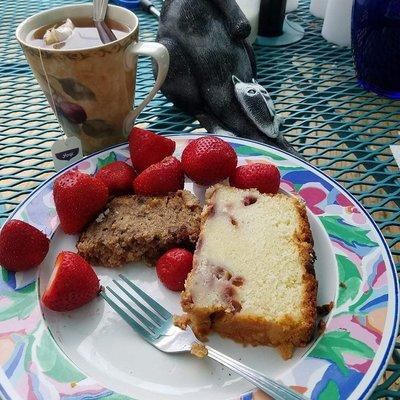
(72, 284)
(148, 148)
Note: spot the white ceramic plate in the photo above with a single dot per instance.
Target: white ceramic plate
(92, 353)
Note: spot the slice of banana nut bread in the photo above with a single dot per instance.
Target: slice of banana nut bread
(135, 228)
(253, 276)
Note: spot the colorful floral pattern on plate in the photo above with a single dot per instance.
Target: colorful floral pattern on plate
(345, 362)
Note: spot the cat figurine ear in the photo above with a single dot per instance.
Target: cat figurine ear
(258, 106)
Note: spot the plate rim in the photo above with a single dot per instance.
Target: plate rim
(373, 382)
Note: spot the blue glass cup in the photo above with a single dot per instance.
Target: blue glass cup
(376, 45)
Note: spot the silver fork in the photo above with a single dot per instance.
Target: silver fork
(155, 324)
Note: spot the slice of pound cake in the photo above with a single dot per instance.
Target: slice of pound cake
(253, 276)
(135, 228)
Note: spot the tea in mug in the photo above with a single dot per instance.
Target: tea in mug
(72, 34)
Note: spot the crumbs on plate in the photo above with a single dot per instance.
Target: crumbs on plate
(199, 350)
(181, 321)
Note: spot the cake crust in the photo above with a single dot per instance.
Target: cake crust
(141, 228)
(285, 332)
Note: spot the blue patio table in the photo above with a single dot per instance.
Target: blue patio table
(336, 125)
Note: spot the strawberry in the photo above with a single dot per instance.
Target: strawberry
(73, 283)
(264, 177)
(117, 176)
(147, 148)
(208, 160)
(173, 268)
(78, 198)
(22, 246)
(161, 178)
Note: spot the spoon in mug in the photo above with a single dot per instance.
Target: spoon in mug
(99, 13)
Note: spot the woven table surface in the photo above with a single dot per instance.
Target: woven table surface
(336, 125)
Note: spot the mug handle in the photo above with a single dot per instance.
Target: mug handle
(161, 55)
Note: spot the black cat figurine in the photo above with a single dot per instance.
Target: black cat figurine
(212, 70)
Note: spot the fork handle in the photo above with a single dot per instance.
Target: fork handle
(274, 389)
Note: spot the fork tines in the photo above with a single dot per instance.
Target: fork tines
(149, 318)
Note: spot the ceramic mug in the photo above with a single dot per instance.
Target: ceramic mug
(337, 23)
(91, 90)
(318, 8)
